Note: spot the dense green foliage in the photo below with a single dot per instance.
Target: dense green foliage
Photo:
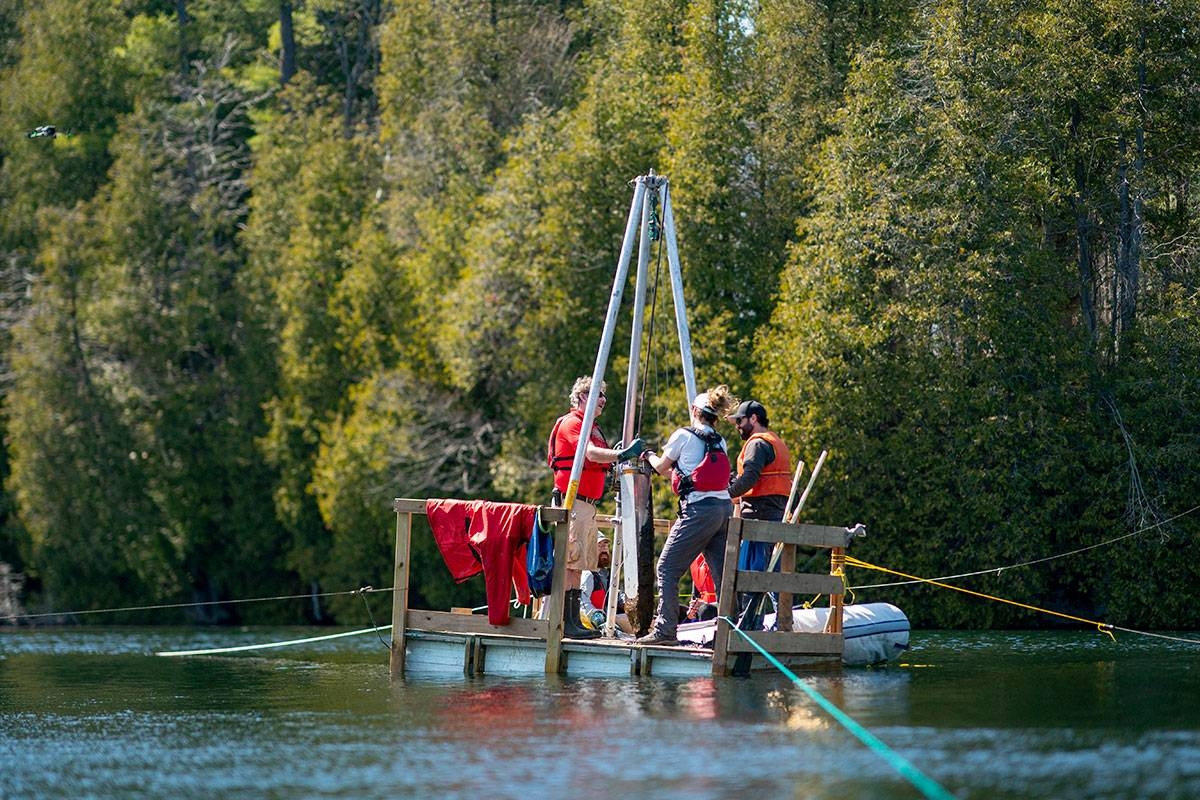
(287, 261)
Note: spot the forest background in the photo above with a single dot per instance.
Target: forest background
(288, 259)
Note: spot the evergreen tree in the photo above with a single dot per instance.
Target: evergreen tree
(168, 370)
(457, 79)
(55, 70)
(310, 187)
(78, 465)
(930, 317)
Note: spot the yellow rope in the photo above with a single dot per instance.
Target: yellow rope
(1103, 627)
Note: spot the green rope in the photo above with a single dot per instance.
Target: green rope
(924, 784)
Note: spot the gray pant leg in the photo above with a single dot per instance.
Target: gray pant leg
(701, 525)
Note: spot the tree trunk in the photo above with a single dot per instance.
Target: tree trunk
(357, 47)
(1130, 227)
(1083, 240)
(287, 55)
(181, 17)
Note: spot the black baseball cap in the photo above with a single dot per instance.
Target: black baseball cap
(748, 407)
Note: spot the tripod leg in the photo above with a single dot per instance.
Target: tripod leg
(629, 505)
(610, 325)
(681, 323)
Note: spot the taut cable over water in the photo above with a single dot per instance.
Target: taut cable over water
(195, 604)
(266, 645)
(998, 570)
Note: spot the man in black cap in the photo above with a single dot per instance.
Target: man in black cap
(764, 477)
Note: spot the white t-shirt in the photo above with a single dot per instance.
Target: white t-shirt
(686, 449)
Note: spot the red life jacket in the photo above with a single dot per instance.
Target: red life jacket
(560, 455)
(702, 580)
(599, 597)
(711, 474)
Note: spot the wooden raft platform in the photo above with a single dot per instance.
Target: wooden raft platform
(442, 642)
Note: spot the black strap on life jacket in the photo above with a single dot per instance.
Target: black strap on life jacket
(563, 463)
(684, 484)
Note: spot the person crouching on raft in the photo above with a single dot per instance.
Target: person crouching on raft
(696, 460)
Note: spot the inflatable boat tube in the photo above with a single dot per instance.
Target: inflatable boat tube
(875, 633)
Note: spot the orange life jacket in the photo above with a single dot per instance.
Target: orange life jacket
(776, 477)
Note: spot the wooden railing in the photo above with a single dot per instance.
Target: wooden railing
(787, 582)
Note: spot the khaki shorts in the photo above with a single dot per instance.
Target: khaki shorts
(582, 532)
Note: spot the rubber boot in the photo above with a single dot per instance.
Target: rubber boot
(572, 627)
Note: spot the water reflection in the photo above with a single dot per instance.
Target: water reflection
(696, 699)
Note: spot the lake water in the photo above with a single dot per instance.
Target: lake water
(92, 713)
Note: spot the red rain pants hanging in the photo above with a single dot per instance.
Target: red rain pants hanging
(479, 535)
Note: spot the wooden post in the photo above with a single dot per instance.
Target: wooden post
(400, 591)
(727, 597)
(837, 566)
(783, 616)
(554, 615)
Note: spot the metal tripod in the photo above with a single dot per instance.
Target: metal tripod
(651, 193)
